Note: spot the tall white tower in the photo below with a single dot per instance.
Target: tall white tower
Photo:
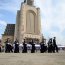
(28, 22)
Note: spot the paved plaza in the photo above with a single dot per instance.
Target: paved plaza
(32, 59)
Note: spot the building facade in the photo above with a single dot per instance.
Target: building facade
(28, 23)
(8, 33)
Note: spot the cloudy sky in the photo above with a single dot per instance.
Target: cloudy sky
(52, 17)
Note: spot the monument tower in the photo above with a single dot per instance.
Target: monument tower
(28, 23)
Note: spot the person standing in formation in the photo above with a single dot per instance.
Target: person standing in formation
(50, 46)
(0, 45)
(16, 46)
(43, 47)
(55, 47)
(33, 47)
(8, 46)
(24, 47)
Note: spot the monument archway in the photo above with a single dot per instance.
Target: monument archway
(30, 21)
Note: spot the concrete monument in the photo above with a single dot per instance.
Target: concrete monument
(28, 23)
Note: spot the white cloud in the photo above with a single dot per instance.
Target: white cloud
(53, 18)
(3, 23)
